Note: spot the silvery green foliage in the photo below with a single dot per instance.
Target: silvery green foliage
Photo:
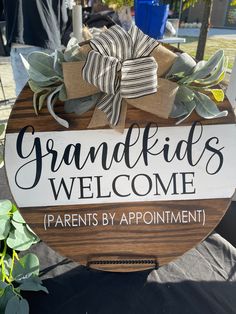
(16, 273)
(81, 105)
(183, 66)
(47, 83)
(72, 52)
(46, 77)
(194, 80)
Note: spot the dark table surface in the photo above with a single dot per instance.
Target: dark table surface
(202, 281)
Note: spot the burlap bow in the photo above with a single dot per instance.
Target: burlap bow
(119, 65)
(128, 68)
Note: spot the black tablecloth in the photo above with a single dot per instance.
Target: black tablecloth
(203, 280)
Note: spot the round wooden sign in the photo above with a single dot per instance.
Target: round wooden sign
(120, 201)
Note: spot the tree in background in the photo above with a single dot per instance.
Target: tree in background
(205, 24)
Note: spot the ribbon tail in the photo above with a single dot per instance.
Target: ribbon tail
(99, 119)
(159, 104)
(111, 106)
(121, 124)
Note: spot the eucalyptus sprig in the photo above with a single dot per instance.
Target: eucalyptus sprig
(195, 80)
(46, 77)
(17, 273)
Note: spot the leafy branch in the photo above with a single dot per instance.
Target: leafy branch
(46, 77)
(195, 80)
(16, 273)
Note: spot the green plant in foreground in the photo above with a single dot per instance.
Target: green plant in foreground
(17, 274)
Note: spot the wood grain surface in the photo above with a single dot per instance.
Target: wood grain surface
(118, 247)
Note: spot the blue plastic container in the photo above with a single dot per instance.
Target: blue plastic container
(151, 17)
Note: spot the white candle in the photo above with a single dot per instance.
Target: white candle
(77, 22)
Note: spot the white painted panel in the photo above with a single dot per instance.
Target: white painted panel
(149, 179)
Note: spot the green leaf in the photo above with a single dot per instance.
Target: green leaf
(25, 230)
(218, 94)
(17, 217)
(182, 66)
(33, 85)
(214, 75)
(184, 104)
(58, 59)
(179, 108)
(81, 105)
(203, 71)
(41, 86)
(217, 76)
(18, 226)
(199, 66)
(38, 76)
(42, 79)
(35, 101)
(7, 295)
(21, 238)
(3, 285)
(42, 99)
(50, 105)
(17, 305)
(43, 63)
(73, 53)
(206, 108)
(63, 94)
(27, 266)
(221, 77)
(34, 235)
(7, 264)
(40, 94)
(14, 208)
(190, 106)
(24, 306)
(32, 283)
(5, 207)
(5, 226)
(2, 128)
(184, 94)
(13, 305)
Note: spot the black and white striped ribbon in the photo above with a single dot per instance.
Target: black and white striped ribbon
(101, 71)
(138, 77)
(117, 50)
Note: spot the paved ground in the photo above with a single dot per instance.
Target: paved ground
(7, 91)
(7, 88)
(229, 34)
(7, 78)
